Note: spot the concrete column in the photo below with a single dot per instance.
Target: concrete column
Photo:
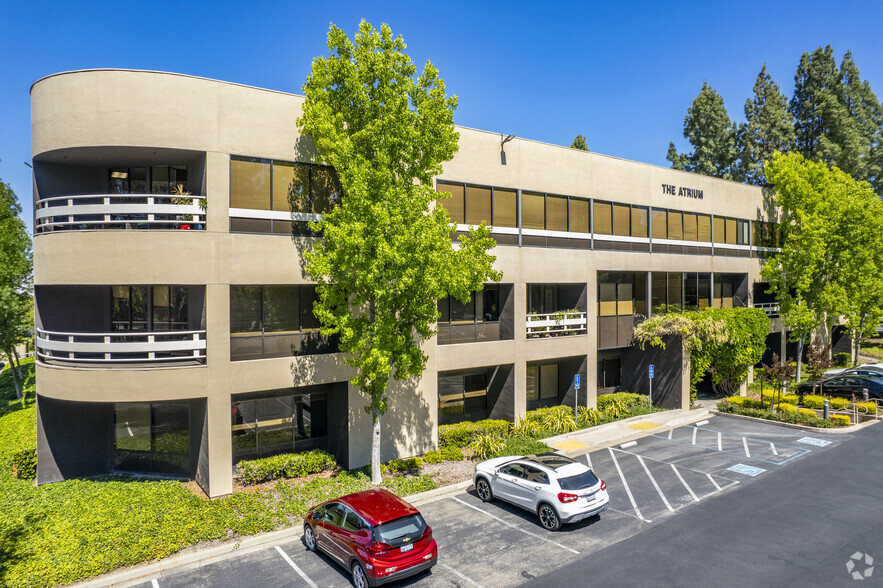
(220, 447)
(519, 326)
(217, 192)
(591, 383)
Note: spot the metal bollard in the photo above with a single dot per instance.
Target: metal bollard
(865, 394)
(827, 410)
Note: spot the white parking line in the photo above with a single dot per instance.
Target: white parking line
(507, 523)
(154, 583)
(589, 461)
(628, 514)
(720, 442)
(670, 431)
(745, 445)
(628, 444)
(713, 482)
(655, 485)
(296, 569)
(626, 484)
(773, 447)
(694, 435)
(459, 575)
(701, 423)
(684, 482)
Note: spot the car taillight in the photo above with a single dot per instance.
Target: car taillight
(565, 497)
(603, 485)
(378, 547)
(427, 532)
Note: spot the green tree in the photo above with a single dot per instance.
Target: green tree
(385, 257)
(16, 264)
(815, 104)
(769, 127)
(712, 134)
(818, 359)
(579, 143)
(860, 134)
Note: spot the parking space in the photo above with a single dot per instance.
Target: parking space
(495, 544)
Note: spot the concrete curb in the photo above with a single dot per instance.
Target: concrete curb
(836, 431)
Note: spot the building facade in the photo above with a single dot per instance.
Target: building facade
(175, 333)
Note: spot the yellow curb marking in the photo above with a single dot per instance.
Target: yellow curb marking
(645, 426)
(569, 445)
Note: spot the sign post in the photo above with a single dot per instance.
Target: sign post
(575, 394)
(651, 386)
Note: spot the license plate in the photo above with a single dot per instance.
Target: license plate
(408, 547)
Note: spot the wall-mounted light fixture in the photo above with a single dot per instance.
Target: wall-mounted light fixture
(503, 141)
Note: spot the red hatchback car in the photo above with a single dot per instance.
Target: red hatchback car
(374, 534)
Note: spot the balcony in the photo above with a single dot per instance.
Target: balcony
(770, 308)
(556, 324)
(128, 347)
(118, 211)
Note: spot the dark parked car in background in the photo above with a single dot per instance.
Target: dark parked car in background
(844, 386)
(374, 534)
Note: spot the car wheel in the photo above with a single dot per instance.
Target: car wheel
(483, 488)
(309, 538)
(549, 518)
(360, 580)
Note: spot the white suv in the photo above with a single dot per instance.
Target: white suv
(558, 489)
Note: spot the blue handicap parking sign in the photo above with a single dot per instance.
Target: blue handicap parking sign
(651, 371)
(814, 441)
(748, 470)
(576, 381)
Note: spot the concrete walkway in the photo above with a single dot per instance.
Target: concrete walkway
(588, 440)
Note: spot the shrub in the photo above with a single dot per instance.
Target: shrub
(24, 464)
(522, 446)
(286, 465)
(525, 427)
(838, 403)
(814, 401)
(560, 421)
(587, 416)
(403, 465)
(451, 453)
(791, 398)
(486, 446)
(628, 399)
(807, 412)
(737, 400)
(403, 486)
(782, 417)
(433, 456)
(867, 407)
(842, 359)
(463, 434)
(840, 419)
(787, 407)
(384, 469)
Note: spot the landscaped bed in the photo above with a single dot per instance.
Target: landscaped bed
(791, 408)
(68, 531)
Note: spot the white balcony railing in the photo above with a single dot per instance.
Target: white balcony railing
(770, 308)
(121, 347)
(118, 211)
(556, 324)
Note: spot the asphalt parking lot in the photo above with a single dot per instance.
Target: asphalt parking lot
(495, 544)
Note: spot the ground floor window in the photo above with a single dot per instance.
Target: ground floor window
(279, 424)
(542, 385)
(462, 397)
(608, 373)
(152, 437)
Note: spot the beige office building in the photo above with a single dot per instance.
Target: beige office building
(175, 333)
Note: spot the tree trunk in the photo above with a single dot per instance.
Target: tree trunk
(15, 375)
(857, 341)
(376, 474)
(799, 358)
(18, 366)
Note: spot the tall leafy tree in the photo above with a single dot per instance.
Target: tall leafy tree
(579, 143)
(385, 257)
(16, 264)
(769, 127)
(860, 135)
(712, 134)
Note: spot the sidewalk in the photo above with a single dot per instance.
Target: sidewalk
(600, 437)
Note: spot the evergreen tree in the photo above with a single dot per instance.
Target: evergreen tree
(769, 127)
(711, 133)
(579, 143)
(859, 137)
(814, 103)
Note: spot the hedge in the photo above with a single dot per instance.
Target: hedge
(287, 465)
(788, 407)
(840, 419)
(814, 401)
(782, 417)
(24, 464)
(842, 359)
(629, 398)
(403, 465)
(446, 453)
(868, 407)
(462, 434)
(838, 403)
(808, 412)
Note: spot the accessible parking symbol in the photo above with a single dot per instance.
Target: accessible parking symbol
(741, 468)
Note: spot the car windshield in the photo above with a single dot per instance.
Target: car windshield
(395, 531)
(579, 481)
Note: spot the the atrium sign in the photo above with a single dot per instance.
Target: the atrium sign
(673, 190)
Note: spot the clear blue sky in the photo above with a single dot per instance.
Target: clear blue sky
(620, 73)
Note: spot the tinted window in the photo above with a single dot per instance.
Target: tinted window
(352, 522)
(515, 469)
(395, 532)
(334, 514)
(536, 475)
(578, 482)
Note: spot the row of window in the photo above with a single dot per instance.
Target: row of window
(498, 207)
(159, 179)
(149, 308)
(284, 186)
(278, 424)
